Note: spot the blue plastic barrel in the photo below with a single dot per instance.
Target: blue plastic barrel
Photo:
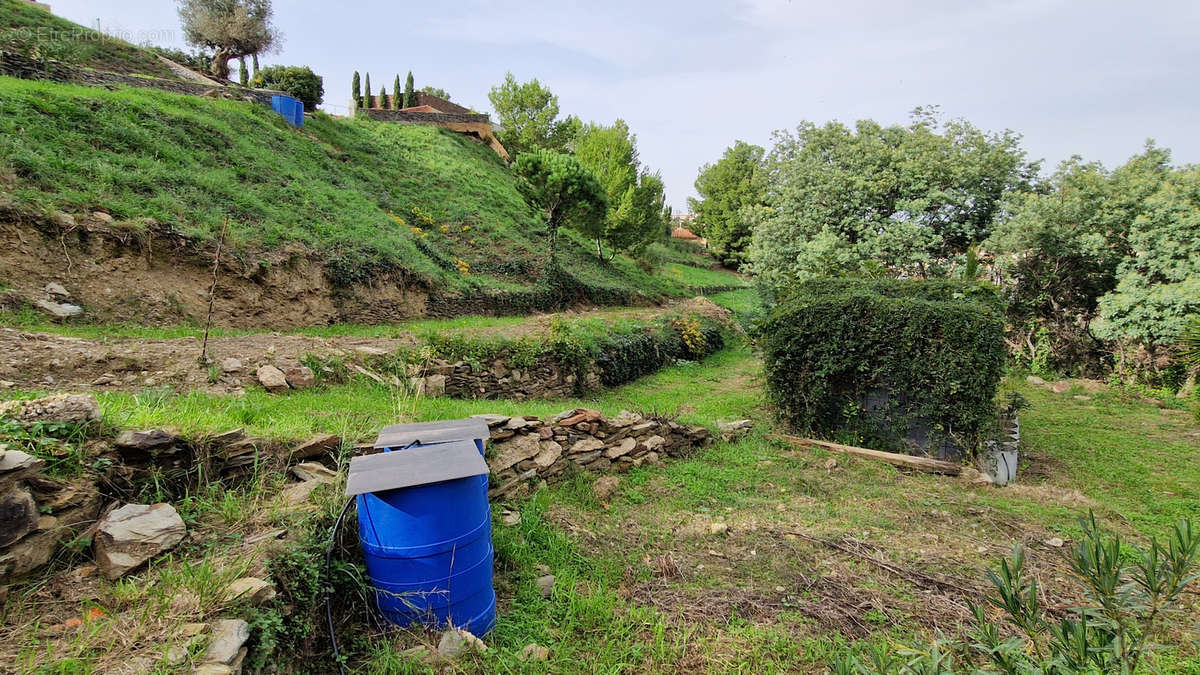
(428, 552)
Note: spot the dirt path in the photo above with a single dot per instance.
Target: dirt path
(39, 360)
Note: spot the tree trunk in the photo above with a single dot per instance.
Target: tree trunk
(254, 59)
(599, 249)
(243, 72)
(220, 64)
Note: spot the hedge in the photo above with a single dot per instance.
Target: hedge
(908, 366)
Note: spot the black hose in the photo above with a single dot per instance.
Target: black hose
(329, 593)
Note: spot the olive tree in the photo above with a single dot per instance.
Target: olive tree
(233, 29)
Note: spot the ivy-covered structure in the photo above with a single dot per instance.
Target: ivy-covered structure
(909, 366)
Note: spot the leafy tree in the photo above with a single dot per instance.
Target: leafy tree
(562, 190)
(894, 200)
(298, 81)
(397, 99)
(1059, 250)
(232, 28)
(528, 117)
(1158, 285)
(410, 97)
(635, 198)
(733, 183)
(356, 86)
(436, 91)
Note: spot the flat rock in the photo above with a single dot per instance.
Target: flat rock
(132, 534)
(549, 454)
(60, 408)
(545, 584)
(313, 471)
(493, 420)
(58, 310)
(213, 669)
(581, 416)
(585, 445)
(1060, 387)
(299, 377)
(717, 528)
(533, 652)
(518, 449)
(228, 637)
(654, 443)
(252, 590)
(231, 365)
(604, 487)
(621, 449)
(300, 493)
(57, 291)
(625, 419)
(515, 423)
(272, 379)
(144, 440)
(457, 642)
(18, 515)
(317, 445)
(435, 385)
(1035, 380)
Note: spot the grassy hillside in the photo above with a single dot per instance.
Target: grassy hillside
(31, 30)
(368, 196)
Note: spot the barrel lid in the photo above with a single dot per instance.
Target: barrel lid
(419, 465)
(425, 433)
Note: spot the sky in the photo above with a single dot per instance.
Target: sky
(1089, 77)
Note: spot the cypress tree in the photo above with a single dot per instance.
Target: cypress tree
(356, 85)
(397, 101)
(367, 93)
(383, 99)
(410, 99)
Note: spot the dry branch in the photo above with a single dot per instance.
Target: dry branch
(925, 464)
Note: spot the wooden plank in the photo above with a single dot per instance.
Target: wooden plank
(926, 464)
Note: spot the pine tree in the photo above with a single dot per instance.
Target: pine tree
(397, 100)
(356, 85)
(410, 98)
(367, 93)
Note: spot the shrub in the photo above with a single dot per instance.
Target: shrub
(298, 81)
(888, 363)
(1132, 594)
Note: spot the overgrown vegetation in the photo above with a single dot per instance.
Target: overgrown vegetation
(1132, 593)
(887, 363)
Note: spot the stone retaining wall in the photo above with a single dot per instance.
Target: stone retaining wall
(499, 379)
(529, 449)
(26, 68)
(411, 117)
(41, 513)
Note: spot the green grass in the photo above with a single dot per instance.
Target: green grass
(701, 276)
(34, 31)
(367, 196)
(743, 600)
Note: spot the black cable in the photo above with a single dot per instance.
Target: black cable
(329, 593)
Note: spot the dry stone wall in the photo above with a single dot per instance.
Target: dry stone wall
(40, 512)
(529, 448)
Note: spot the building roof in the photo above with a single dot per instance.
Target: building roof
(684, 233)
